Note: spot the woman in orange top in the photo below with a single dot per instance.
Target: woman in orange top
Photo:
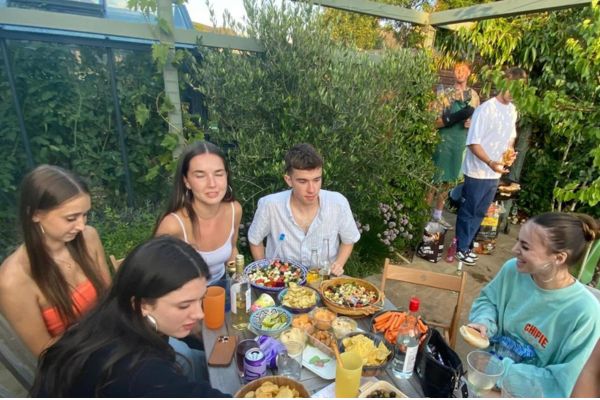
(60, 270)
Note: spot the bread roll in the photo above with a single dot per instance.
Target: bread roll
(473, 337)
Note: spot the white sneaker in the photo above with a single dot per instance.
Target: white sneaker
(448, 226)
(473, 255)
(465, 258)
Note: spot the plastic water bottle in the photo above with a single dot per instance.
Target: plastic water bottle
(278, 254)
(407, 343)
(452, 251)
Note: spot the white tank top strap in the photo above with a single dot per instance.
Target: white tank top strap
(232, 220)
(185, 238)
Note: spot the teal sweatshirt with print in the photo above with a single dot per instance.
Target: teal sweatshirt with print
(562, 325)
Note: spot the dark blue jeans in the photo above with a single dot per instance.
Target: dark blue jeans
(477, 195)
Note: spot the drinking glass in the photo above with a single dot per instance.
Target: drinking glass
(325, 265)
(518, 385)
(214, 307)
(347, 375)
(240, 352)
(289, 362)
(484, 370)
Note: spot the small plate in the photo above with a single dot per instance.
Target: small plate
(327, 371)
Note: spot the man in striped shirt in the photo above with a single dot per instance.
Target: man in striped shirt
(306, 215)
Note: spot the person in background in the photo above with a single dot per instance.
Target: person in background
(489, 151)
(454, 106)
(202, 210)
(120, 349)
(544, 322)
(305, 214)
(588, 384)
(59, 271)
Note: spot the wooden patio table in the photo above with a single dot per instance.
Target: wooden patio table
(227, 379)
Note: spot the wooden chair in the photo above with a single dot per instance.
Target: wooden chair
(116, 263)
(585, 271)
(435, 280)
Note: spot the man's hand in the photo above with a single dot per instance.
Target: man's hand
(467, 123)
(498, 167)
(337, 269)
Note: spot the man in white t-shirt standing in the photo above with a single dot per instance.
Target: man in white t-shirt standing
(491, 135)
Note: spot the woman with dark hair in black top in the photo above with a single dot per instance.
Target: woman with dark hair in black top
(120, 349)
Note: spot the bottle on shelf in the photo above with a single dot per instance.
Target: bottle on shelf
(313, 277)
(240, 296)
(452, 250)
(325, 264)
(407, 343)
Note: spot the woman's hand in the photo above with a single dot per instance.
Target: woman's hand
(482, 329)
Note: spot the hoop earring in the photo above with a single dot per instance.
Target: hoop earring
(152, 321)
(186, 195)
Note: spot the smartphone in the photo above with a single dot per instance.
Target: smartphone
(222, 353)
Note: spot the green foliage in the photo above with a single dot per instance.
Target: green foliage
(351, 28)
(368, 116)
(561, 50)
(124, 228)
(366, 32)
(65, 95)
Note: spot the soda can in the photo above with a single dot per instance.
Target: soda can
(255, 364)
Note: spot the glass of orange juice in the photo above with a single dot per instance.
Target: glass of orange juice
(347, 375)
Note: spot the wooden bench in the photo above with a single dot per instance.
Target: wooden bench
(16, 358)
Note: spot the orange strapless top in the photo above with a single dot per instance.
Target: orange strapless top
(84, 298)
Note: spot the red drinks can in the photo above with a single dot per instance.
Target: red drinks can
(255, 364)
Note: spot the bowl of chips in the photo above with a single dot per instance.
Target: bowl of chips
(375, 351)
(298, 299)
(271, 387)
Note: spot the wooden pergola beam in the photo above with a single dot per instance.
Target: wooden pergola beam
(376, 9)
(19, 18)
(499, 9)
(450, 19)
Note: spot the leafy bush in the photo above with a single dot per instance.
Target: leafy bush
(123, 229)
(68, 110)
(366, 113)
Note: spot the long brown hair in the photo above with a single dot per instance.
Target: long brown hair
(181, 197)
(570, 233)
(43, 189)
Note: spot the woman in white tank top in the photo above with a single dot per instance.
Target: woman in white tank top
(202, 210)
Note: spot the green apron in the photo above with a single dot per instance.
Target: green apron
(450, 151)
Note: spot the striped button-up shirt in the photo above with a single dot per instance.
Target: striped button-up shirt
(334, 222)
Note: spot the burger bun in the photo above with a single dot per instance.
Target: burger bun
(473, 337)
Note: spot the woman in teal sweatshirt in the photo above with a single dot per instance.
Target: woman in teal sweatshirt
(544, 322)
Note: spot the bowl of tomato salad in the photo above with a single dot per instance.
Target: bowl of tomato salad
(274, 275)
